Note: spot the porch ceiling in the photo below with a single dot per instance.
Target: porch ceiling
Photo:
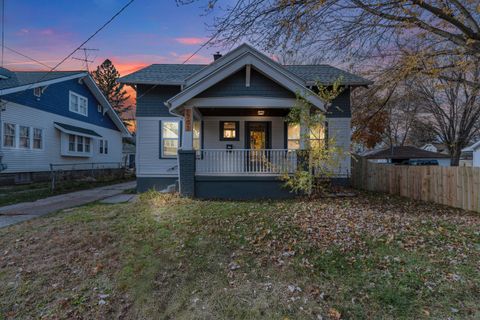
(243, 112)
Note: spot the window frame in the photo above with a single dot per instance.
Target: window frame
(33, 138)
(28, 137)
(288, 139)
(79, 98)
(76, 142)
(37, 92)
(222, 130)
(14, 141)
(103, 146)
(162, 139)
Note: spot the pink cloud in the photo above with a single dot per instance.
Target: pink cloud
(190, 41)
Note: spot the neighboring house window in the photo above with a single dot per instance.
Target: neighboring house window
(79, 144)
(229, 130)
(87, 144)
(37, 92)
(9, 135)
(196, 135)
(293, 137)
(78, 104)
(170, 138)
(71, 142)
(104, 146)
(24, 140)
(37, 138)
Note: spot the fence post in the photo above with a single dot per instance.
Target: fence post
(52, 175)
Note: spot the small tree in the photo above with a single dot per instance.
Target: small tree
(106, 77)
(320, 155)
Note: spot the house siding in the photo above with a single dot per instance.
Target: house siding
(340, 106)
(147, 159)
(339, 131)
(32, 160)
(234, 85)
(211, 127)
(55, 100)
(151, 101)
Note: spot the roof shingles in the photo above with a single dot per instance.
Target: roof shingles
(175, 74)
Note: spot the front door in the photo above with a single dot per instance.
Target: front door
(257, 140)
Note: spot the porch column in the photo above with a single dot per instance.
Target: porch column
(187, 134)
(304, 130)
(186, 157)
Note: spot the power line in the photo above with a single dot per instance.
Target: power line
(30, 58)
(88, 39)
(216, 34)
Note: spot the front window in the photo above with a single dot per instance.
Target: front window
(229, 130)
(293, 137)
(79, 144)
(24, 140)
(37, 138)
(170, 138)
(317, 136)
(8, 135)
(78, 104)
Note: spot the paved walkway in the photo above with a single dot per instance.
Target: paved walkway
(27, 210)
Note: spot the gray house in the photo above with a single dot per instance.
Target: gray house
(219, 130)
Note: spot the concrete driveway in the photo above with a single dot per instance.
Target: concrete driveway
(27, 210)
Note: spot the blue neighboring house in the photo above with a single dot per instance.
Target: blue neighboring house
(54, 118)
(219, 130)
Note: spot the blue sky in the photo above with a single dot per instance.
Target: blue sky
(146, 32)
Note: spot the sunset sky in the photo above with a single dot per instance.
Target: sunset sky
(146, 32)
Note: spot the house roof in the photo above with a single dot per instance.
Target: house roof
(176, 74)
(13, 79)
(17, 81)
(404, 152)
(68, 128)
(243, 56)
(473, 147)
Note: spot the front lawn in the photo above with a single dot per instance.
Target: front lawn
(368, 257)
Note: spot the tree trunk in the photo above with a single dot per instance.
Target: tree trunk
(455, 153)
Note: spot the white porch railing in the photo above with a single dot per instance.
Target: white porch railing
(245, 162)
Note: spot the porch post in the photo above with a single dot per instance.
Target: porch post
(186, 157)
(187, 134)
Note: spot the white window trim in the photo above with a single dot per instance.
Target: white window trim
(29, 137)
(15, 137)
(42, 138)
(101, 146)
(75, 152)
(163, 156)
(79, 96)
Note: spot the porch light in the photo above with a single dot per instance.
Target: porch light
(261, 112)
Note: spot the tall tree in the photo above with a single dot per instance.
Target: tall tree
(454, 108)
(410, 34)
(106, 77)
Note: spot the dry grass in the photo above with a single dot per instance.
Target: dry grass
(172, 258)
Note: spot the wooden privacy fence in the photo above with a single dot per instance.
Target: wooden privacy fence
(453, 186)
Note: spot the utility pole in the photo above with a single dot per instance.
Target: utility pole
(86, 57)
